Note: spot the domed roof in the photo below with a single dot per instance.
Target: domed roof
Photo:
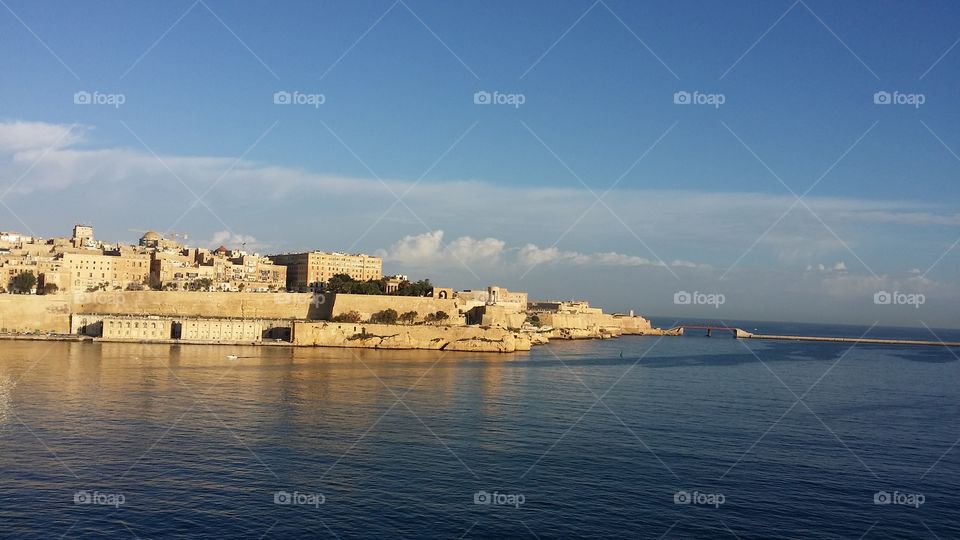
(151, 235)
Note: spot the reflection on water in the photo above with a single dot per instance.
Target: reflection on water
(398, 442)
(6, 386)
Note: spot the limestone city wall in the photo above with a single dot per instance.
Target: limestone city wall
(391, 336)
(27, 313)
(248, 305)
(367, 305)
(506, 317)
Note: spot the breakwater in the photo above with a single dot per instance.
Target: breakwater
(877, 341)
(739, 333)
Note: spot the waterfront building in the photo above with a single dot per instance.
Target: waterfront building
(138, 328)
(221, 330)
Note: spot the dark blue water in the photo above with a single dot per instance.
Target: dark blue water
(768, 440)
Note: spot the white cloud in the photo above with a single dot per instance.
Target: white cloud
(839, 266)
(468, 249)
(428, 249)
(532, 255)
(26, 137)
(905, 218)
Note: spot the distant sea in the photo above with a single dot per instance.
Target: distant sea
(637, 437)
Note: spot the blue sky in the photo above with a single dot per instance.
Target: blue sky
(701, 188)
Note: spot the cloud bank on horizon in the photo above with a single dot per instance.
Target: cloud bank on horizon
(767, 254)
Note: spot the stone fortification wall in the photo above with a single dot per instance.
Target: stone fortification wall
(367, 305)
(51, 312)
(389, 336)
(197, 304)
(580, 325)
(634, 325)
(28, 313)
(503, 316)
(590, 325)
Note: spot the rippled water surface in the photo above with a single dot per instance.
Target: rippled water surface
(767, 439)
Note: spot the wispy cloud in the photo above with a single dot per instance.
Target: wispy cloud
(23, 138)
(428, 250)
(531, 255)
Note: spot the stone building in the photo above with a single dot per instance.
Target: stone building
(12, 267)
(139, 328)
(510, 301)
(83, 236)
(177, 270)
(312, 269)
(567, 307)
(500, 296)
(130, 327)
(392, 283)
(227, 270)
(95, 270)
(221, 330)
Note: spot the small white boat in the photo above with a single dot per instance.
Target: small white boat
(231, 357)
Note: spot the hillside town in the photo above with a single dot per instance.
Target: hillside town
(163, 290)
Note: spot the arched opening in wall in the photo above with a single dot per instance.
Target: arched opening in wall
(442, 295)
